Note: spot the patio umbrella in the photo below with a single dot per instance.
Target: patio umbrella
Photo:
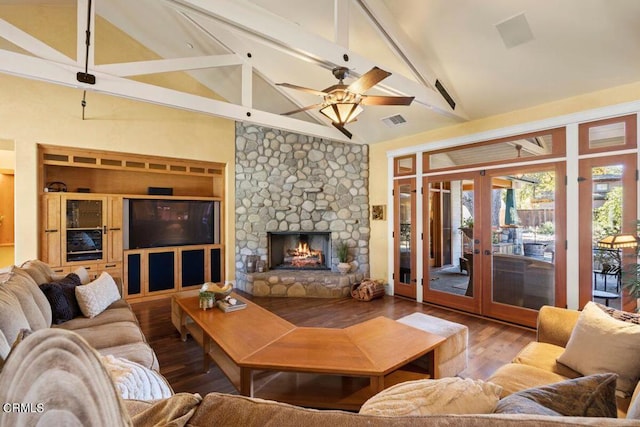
(510, 207)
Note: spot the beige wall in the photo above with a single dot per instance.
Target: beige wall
(33, 112)
(379, 181)
(51, 115)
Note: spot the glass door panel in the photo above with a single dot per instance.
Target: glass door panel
(607, 208)
(522, 273)
(84, 229)
(405, 237)
(449, 270)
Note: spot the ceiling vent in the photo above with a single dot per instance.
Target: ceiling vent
(395, 120)
(515, 31)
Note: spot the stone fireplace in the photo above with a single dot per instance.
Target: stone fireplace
(299, 251)
(290, 185)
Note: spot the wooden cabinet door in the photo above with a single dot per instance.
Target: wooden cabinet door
(114, 229)
(6, 209)
(50, 248)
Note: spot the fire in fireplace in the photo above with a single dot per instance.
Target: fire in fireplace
(294, 251)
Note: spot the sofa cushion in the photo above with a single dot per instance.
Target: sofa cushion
(427, 397)
(174, 411)
(139, 352)
(12, 318)
(591, 396)
(5, 347)
(544, 356)
(38, 270)
(110, 334)
(134, 381)
(219, 409)
(96, 296)
(514, 377)
(597, 344)
(112, 314)
(61, 295)
(33, 302)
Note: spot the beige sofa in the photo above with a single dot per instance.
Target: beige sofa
(23, 305)
(536, 364)
(54, 377)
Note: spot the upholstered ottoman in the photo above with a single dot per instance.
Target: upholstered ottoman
(453, 352)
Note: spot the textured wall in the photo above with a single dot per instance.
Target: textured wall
(291, 182)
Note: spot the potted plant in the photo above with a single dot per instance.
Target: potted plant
(631, 275)
(467, 227)
(343, 257)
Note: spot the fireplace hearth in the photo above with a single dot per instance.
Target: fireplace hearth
(299, 251)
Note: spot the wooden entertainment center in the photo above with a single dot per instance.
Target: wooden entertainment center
(83, 202)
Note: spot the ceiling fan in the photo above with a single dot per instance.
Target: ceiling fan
(342, 103)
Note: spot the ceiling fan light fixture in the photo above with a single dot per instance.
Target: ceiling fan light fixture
(342, 112)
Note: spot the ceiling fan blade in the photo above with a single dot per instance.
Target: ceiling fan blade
(368, 80)
(386, 100)
(299, 110)
(342, 129)
(304, 89)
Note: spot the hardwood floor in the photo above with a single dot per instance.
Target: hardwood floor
(491, 344)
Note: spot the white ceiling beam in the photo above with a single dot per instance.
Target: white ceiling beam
(247, 85)
(65, 74)
(341, 22)
(31, 44)
(275, 30)
(83, 15)
(398, 40)
(168, 65)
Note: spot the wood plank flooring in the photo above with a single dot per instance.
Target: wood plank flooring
(491, 344)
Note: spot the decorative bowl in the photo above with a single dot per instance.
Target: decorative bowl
(219, 291)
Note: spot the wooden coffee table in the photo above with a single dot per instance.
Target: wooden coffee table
(264, 355)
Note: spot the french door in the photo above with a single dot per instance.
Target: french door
(451, 242)
(608, 200)
(405, 283)
(506, 254)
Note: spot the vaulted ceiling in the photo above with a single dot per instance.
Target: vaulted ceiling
(488, 57)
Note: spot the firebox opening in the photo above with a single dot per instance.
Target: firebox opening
(300, 251)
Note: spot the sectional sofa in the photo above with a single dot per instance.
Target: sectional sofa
(57, 376)
(23, 306)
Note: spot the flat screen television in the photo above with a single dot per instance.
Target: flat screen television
(157, 223)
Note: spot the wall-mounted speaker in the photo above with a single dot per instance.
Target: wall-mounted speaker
(160, 191)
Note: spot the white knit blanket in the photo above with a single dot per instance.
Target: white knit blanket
(134, 381)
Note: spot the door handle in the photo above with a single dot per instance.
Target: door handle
(53, 230)
(476, 251)
(487, 252)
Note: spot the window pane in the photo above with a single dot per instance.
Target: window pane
(609, 135)
(523, 239)
(503, 151)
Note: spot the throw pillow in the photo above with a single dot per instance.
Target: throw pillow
(625, 316)
(432, 397)
(601, 344)
(134, 381)
(591, 396)
(95, 297)
(62, 298)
